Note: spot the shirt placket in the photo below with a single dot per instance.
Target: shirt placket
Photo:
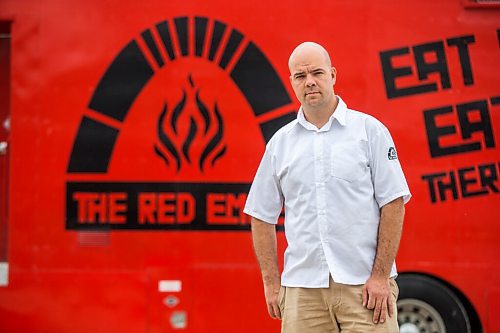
(320, 163)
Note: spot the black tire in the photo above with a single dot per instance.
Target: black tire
(427, 305)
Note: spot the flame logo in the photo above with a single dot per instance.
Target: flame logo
(201, 144)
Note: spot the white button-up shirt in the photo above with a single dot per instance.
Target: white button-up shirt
(332, 182)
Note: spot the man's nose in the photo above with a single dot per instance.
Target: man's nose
(310, 81)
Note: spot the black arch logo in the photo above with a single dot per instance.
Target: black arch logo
(131, 70)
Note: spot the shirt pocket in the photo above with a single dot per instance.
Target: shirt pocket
(349, 161)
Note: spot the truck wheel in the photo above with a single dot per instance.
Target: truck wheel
(427, 305)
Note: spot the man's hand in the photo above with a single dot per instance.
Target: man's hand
(264, 243)
(377, 291)
(271, 292)
(377, 297)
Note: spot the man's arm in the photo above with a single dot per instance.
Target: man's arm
(264, 243)
(376, 291)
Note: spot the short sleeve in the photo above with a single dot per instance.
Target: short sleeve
(265, 199)
(388, 179)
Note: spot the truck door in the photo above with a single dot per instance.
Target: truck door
(4, 146)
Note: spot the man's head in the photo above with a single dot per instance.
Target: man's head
(312, 76)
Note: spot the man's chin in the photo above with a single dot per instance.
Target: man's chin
(313, 102)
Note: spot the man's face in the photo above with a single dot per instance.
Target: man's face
(312, 78)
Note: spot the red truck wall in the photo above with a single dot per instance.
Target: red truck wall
(131, 153)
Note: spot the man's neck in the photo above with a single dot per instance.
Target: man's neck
(320, 116)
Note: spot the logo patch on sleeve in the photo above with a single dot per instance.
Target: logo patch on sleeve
(391, 154)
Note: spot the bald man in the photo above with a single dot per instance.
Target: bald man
(336, 173)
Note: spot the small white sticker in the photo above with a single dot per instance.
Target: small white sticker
(169, 286)
(4, 274)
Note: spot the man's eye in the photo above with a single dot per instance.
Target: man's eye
(299, 76)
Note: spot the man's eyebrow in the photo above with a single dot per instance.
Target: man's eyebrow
(298, 73)
(317, 69)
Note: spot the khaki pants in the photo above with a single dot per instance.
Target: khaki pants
(335, 309)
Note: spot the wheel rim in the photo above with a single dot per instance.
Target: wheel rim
(415, 316)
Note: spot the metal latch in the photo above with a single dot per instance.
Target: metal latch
(3, 147)
(4, 274)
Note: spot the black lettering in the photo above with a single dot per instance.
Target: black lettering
(463, 52)
(488, 176)
(464, 182)
(434, 132)
(437, 179)
(431, 181)
(391, 73)
(439, 66)
(468, 126)
(484, 125)
(442, 184)
(451, 186)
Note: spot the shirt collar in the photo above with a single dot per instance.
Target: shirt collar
(339, 114)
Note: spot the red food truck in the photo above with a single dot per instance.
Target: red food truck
(130, 133)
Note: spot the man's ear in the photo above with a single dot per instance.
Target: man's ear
(334, 75)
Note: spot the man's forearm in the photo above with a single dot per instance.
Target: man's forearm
(264, 243)
(376, 291)
(389, 235)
